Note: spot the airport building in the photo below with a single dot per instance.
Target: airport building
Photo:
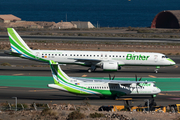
(81, 24)
(9, 18)
(13, 21)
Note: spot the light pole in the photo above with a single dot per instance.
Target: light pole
(15, 102)
(147, 100)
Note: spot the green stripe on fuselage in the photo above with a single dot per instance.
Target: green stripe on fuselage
(27, 53)
(170, 60)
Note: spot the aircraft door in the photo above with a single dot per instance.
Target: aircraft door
(37, 54)
(155, 58)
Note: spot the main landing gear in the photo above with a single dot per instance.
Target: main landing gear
(93, 68)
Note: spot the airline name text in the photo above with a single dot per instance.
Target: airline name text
(136, 57)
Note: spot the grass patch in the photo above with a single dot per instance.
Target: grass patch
(76, 115)
(96, 115)
(49, 112)
(6, 64)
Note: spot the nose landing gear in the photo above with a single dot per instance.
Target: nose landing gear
(157, 68)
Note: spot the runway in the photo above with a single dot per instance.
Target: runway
(52, 96)
(82, 38)
(22, 67)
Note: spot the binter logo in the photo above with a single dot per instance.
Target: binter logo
(136, 57)
(144, 84)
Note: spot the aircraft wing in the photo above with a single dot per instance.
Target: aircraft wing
(86, 60)
(123, 82)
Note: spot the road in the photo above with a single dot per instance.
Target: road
(82, 38)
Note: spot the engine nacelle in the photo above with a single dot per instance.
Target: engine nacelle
(110, 66)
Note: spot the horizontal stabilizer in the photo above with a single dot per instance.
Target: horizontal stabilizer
(55, 87)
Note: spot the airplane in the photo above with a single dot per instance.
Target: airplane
(108, 61)
(102, 88)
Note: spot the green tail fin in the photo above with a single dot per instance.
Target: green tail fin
(17, 43)
(58, 75)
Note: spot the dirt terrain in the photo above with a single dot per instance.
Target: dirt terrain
(85, 112)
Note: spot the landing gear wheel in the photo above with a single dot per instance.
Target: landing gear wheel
(102, 97)
(156, 71)
(92, 69)
(89, 70)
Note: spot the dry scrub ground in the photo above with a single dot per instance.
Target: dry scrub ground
(58, 112)
(168, 49)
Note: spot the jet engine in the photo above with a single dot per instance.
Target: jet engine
(110, 66)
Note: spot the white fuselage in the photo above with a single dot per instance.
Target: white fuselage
(91, 57)
(108, 89)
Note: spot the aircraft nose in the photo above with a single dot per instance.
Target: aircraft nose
(158, 90)
(171, 61)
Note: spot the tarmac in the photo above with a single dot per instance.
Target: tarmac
(27, 81)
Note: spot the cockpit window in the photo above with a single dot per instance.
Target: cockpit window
(154, 85)
(164, 57)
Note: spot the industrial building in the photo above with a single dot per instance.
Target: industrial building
(167, 19)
